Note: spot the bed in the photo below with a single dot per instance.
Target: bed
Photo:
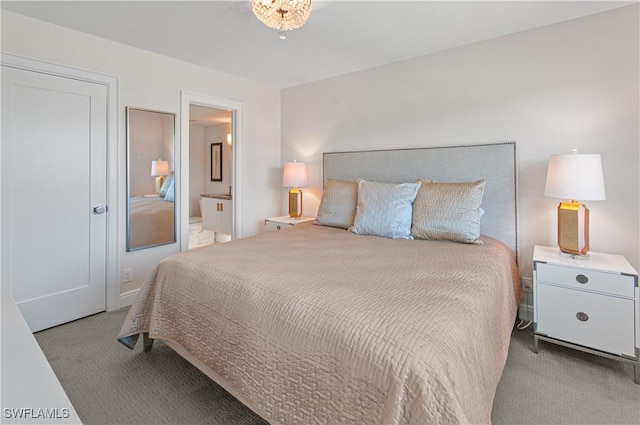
(150, 222)
(320, 324)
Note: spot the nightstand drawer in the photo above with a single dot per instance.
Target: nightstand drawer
(602, 322)
(590, 280)
(274, 226)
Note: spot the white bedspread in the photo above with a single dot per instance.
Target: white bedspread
(150, 222)
(317, 325)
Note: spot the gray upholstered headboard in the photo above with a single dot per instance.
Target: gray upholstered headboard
(495, 163)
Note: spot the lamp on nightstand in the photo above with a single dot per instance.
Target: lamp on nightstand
(574, 176)
(295, 176)
(159, 169)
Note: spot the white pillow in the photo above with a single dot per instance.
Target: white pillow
(384, 209)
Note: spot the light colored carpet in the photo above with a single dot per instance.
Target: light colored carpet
(109, 384)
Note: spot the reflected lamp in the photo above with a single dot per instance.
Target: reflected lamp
(295, 177)
(576, 177)
(159, 169)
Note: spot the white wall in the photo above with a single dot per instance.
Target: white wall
(217, 134)
(569, 85)
(151, 137)
(196, 168)
(168, 125)
(151, 81)
(564, 86)
(201, 138)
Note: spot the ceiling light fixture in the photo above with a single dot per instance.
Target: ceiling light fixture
(283, 15)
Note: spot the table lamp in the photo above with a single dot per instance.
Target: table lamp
(295, 176)
(574, 176)
(159, 169)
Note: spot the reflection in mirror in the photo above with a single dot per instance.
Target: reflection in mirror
(151, 193)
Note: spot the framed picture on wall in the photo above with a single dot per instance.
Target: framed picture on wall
(216, 162)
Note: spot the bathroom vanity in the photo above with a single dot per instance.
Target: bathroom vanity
(217, 213)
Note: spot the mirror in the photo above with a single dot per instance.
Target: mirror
(151, 208)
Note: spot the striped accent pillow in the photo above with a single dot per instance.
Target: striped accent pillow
(338, 204)
(448, 211)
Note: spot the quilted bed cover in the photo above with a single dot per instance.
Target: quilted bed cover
(150, 222)
(317, 325)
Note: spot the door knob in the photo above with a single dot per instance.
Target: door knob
(100, 209)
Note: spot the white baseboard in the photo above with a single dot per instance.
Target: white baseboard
(127, 298)
(525, 312)
(525, 309)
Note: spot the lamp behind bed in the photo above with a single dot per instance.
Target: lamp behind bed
(574, 177)
(295, 176)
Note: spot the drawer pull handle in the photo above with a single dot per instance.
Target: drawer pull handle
(583, 317)
(278, 227)
(582, 279)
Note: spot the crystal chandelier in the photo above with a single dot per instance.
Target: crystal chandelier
(283, 15)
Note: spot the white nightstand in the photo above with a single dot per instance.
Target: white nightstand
(591, 305)
(273, 224)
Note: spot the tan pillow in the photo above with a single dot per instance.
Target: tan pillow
(448, 211)
(338, 204)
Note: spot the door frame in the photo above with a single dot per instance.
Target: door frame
(189, 98)
(112, 296)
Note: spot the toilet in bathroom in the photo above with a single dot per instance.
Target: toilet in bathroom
(198, 236)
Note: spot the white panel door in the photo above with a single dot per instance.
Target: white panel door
(54, 172)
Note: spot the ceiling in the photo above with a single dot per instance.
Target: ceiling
(205, 116)
(339, 37)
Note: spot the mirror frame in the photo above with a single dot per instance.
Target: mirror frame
(128, 177)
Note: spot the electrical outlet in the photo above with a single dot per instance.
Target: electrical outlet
(127, 275)
(527, 284)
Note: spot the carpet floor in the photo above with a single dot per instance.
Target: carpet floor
(109, 384)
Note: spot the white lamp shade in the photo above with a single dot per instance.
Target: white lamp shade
(576, 177)
(159, 168)
(295, 174)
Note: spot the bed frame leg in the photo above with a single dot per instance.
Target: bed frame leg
(535, 344)
(148, 342)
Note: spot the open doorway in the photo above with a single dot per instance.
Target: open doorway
(211, 162)
(210, 175)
